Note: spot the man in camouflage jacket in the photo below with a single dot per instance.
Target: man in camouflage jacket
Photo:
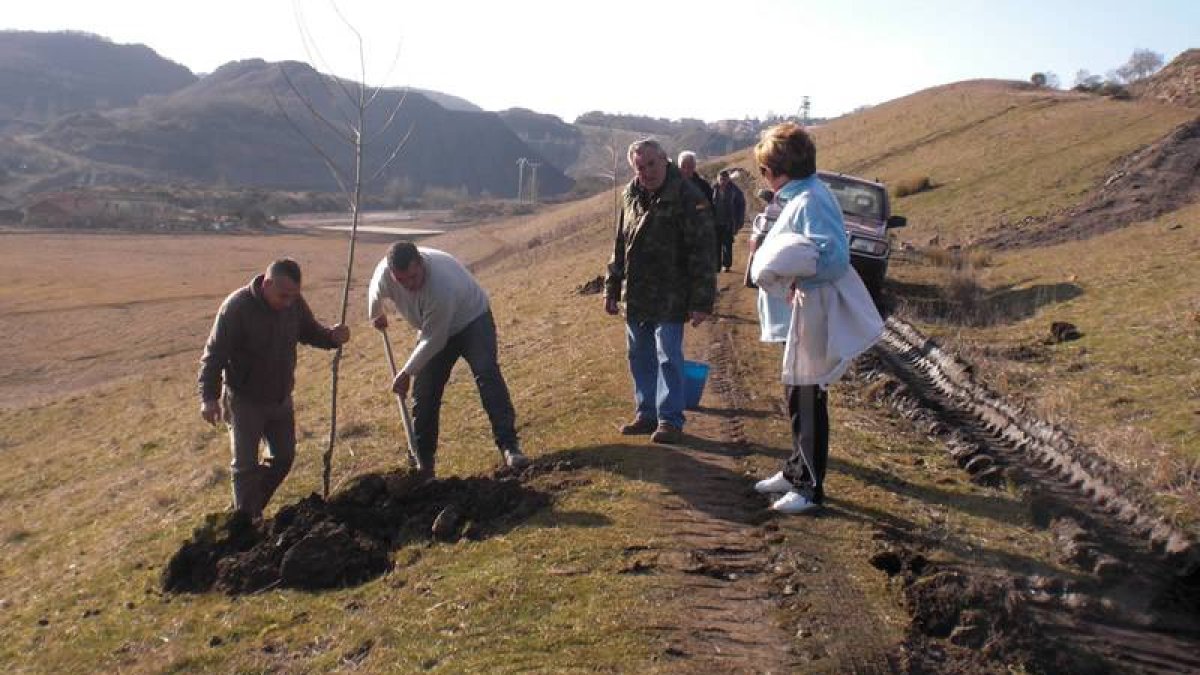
(663, 255)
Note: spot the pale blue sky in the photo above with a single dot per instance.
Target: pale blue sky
(704, 59)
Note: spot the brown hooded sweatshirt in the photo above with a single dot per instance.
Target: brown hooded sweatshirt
(254, 346)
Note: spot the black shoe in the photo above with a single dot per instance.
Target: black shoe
(641, 426)
(667, 434)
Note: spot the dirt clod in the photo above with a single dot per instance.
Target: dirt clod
(445, 525)
(314, 544)
(591, 287)
(1062, 331)
(888, 562)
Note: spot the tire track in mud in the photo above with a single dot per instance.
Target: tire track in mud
(1138, 605)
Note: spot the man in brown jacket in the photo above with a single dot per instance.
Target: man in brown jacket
(253, 346)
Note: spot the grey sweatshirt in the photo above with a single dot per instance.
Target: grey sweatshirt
(450, 299)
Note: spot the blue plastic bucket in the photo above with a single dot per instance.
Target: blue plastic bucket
(695, 374)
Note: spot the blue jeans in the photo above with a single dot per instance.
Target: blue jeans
(656, 362)
(476, 344)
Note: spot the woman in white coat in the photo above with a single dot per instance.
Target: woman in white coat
(813, 301)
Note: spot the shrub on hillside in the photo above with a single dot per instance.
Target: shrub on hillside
(1108, 88)
(911, 186)
(1114, 90)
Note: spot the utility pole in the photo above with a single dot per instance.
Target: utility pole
(533, 185)
(521, 178)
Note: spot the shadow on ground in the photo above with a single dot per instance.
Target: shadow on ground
(963, 302)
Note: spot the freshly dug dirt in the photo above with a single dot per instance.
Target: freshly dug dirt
(315, 544)
(1155, 180)
(963, 622)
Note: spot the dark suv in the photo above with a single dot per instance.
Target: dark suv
(868, 217)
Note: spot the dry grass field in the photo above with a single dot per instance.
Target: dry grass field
(999, 152)
(109, 467)
(106, 482)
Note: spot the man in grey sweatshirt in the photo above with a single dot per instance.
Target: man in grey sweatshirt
(249, 366)
(450, 310)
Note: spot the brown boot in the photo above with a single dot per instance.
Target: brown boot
(667, 434)
(639, 427)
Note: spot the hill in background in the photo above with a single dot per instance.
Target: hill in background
(1177, 83)
(45, 75)
(226, 128)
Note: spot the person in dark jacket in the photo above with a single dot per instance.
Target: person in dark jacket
(687, 168)
(663, 261)
(729, 212)
(247, 373)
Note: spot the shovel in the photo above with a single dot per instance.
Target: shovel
(404, 414)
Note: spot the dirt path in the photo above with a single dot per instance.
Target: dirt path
(732, 565)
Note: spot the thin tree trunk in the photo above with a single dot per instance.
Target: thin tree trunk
(337, 356)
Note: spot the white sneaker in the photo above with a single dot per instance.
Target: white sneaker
(774, 484)
(514, 459)
(793, 502)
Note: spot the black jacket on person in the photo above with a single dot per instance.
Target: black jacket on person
(729, 207)
(703, 186)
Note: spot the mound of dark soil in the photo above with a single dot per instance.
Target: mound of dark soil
(965, 622)
(1158, 179)
(315, 544)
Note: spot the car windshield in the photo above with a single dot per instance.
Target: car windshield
(856, 199)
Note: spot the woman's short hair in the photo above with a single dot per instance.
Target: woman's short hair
(787, 149)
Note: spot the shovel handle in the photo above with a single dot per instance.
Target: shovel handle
(405, 417)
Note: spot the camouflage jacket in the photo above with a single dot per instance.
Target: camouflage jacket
(664, 252)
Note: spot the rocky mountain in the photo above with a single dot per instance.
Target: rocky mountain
(45, 75)
(242, 125)
(560, 143)
(1178, 82)
(447, 101)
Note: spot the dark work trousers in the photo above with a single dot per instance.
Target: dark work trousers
(805, 469)
(724, 247)
(477, 344)
(256, 478)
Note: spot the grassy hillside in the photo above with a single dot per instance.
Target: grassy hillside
(106, 483)
(999, 153)
(110, 467)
